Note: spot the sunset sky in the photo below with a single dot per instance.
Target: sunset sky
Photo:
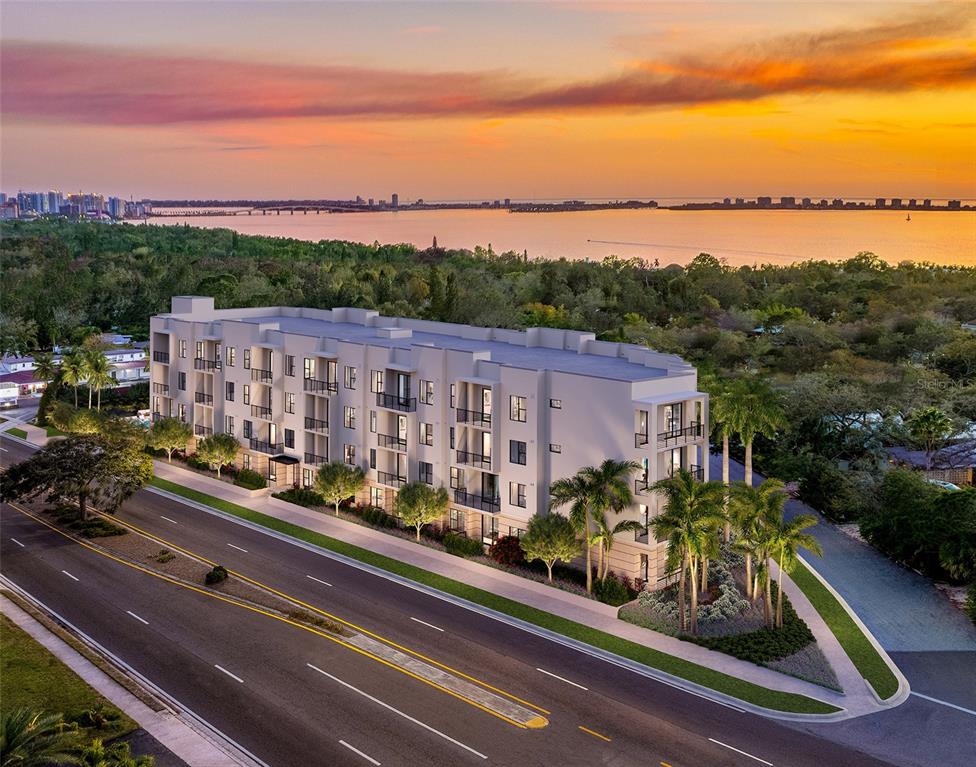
(485, 100)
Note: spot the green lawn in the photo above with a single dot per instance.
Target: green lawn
(861, 652)
(34, 678)
(51, 430)
(18, 433)
(752, 693)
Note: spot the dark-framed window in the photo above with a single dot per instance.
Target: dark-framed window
(350, 377)
(517, 452)
(556, 404)
(229, 391)
(517, 411)
(290, 438)
(554, 448)
(376, 381)
(516, 494)
(289, 365)
(426, 395)
(426, 472)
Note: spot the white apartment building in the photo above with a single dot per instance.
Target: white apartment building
(493, 415)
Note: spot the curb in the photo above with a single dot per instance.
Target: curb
(904, 689)
(638, 668)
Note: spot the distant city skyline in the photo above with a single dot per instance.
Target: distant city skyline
(485, 100)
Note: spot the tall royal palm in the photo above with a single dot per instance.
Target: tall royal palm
(753, 510)
(575, 492)
(603, 537)
(757, 412)
(99, 374)
(789, 537)
(74, 370)
(610, 490)
(722, 413)
(689, 522)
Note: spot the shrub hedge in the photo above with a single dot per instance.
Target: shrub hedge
(462, 546)
(301, 496)
(250, 479)
(215, 576)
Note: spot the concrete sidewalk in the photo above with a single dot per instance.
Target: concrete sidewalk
(857, 700)
(184, 741)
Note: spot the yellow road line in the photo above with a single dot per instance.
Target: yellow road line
(334, 617)
(594, 734)
(533, 723)
(665, 764)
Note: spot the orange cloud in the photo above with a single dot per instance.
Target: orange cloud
(118, 87)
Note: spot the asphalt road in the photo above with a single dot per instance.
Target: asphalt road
(266, 696)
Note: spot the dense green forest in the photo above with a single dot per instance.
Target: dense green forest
(852, 349)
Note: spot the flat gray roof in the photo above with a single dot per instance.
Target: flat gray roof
(529, 358)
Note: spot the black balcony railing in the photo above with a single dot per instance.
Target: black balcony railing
(696, 471)
(161, 357)
(480, 502)
(474, 459)
(396, 402)
(474, 417)
(394, 443)
(260, 411)
(203, 398)
(202, 431)
(271, 448)
(393, 480)
(260, 375)
(316, 424)
(315, 460)
(208, 366)
(317, 386)
(640, 485)
(677, 436)
(159, 388)
(641, 438)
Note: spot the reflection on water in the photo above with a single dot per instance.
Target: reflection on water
(739, 236)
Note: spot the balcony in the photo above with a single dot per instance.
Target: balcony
(640, 485)
(316, 424)
(391, 480)
(202, 431)
(479, 502)
(391, 442)
(317, 386)
(474, 459)
(260, 411)
(270, 448)
(641, 438)
(203, 398)
(676, 437)
(260, 375)
(315, 460)
(161, 357)
(697, 472)
(396, 402)
(207, 366)
(160, 388)
(474, 418)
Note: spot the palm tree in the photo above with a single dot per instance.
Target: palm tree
(788, 539)
(74, 370)
(604, 536)
(99, 374)
(97, 754)
(930, 427)
(575, 491)
(756, 412)
(722, 413)
(34, 739)
(692, 513)
(752, 510)
(44, 367)
(610, 490)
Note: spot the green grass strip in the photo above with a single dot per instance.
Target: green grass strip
(18, 433)
(862, 653)
(716, 680)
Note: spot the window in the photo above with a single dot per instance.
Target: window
(452, 437)
(372, 458)
(247, 359)
(426, 434)
(199, 349)
(372, 421)
(377, 496)
(349, 417)
(181, 381)
(308, 478)
(457, 478)
(289, 402)
(556, 404)
(229, 391)
(248, 430)
(516, 532)
(350, 377)
(453, 395)
(181, 412)
(376, 381)
(426, 472)
(554, 448)
(247, 460)
(517, 408)
(457, 520)
(349, 454)
(230, 352)
(247, 394)
(426, 392)
(289, 365)
(516, 452)
(516, 494)
(183, 347)
(308, 368)
(217, 352)
(489, 527)
(229, 424)
(290, 438)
